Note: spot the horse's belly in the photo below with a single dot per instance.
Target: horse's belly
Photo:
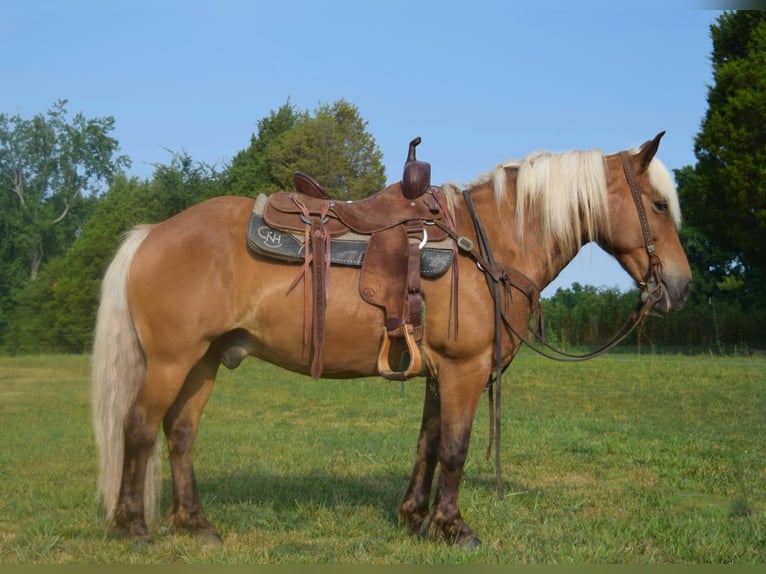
(282, 328)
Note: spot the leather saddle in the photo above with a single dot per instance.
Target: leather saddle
(394, 226)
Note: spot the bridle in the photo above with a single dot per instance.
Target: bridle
(655, 264)
(503, 277)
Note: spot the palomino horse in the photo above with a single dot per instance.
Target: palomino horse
(178, 290)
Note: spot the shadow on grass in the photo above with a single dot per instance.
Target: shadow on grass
(283, 493)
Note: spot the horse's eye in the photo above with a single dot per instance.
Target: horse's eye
(661, 206)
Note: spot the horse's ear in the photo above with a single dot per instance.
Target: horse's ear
(647, 151)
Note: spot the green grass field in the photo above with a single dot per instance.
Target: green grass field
(626, 459)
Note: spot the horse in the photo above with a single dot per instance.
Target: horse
(179, 291)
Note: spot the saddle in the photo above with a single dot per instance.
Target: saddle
(386, 234)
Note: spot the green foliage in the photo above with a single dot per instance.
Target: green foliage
(51, 167)
(48, 166)
(332, 145)
(181, 184)
(587, 317)
(57, 310)
(250, 171)
(724, 196)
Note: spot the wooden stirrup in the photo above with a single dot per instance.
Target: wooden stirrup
(416, 360)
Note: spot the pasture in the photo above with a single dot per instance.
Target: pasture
(624, 459)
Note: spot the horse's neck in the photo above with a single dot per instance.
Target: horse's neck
(524, 252)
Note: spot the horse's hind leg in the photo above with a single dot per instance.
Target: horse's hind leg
(414, 507)
(160, 388)
(180, 425)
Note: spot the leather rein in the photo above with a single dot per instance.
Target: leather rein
(500, 275)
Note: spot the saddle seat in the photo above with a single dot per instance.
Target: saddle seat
(389, 207)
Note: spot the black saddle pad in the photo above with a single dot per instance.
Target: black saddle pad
(346, 250)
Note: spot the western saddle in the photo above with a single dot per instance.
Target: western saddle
(395, 224)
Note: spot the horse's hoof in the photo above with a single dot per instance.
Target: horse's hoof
(198, 526)
(210, 537)
(412, 521)
(458, 534)
(469, 543)
(138, 534)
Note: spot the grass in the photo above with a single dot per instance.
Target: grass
(624, 459)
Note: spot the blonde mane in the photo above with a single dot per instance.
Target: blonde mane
(568, 192)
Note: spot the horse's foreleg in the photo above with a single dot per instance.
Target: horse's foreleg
(181, 424)
(414, 507)
(459, 397)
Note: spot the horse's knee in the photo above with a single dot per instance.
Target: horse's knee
(454, 451)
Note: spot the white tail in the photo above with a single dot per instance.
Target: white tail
(118, 371)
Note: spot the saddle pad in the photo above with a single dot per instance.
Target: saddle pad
(435, 259)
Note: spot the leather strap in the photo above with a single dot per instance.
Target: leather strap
(320, 278)
(494, 387)
(414, 297)
(655, 264)
(315, 272)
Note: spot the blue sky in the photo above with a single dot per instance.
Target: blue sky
(480, 82)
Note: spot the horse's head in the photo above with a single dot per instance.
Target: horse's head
(644, 215)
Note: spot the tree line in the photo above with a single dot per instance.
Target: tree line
(583, 317)
(66, 199)
(66, 202)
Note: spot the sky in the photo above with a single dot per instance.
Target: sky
(480, 82)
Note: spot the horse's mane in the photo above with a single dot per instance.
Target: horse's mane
(568, 193)
(568, 190)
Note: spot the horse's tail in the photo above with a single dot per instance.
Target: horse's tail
(119, 368)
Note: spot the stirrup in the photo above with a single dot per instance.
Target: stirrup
(416, 360)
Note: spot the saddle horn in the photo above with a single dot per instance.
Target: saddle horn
(416, 179)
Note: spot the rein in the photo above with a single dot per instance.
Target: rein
(501, 274)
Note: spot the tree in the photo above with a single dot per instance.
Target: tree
(50, 168)
(250, 171)
(724, 196)
(333, 145)
(182, 183)
(724, 193)
(585, 316)
(56, 311)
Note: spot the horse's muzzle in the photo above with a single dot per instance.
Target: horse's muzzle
(670, 295)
